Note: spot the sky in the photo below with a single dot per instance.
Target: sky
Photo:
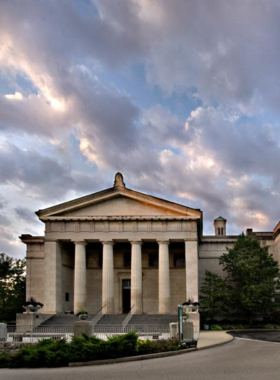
(182, 97)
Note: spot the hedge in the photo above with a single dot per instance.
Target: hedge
(50, 353)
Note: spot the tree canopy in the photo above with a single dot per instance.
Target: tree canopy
(12, 286)
(252, 277)
(214, 296)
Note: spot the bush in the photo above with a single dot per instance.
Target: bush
(49, 353)
(151, 347)
(240, 326)
(46, 353)
(5, 360)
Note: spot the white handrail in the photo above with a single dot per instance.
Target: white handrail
(127, 318)
(97, 316)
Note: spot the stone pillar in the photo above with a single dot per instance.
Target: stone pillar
(136, 277)
(163, 278)
(53, 278)
(108, 278)
(80, 274)
(191, 258)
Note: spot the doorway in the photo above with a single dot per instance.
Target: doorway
(126, 293)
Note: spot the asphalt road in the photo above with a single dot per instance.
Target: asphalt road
(240, 359)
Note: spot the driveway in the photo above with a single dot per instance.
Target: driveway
(240, 359)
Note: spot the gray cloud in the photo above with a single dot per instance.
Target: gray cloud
(26, 215)
(223, 53)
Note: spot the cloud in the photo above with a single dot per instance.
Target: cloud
(32, 172)
(70, 117)
(26, 215)
(224, 51)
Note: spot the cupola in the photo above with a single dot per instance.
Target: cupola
(220, 226)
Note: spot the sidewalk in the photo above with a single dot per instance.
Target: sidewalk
(212, 338)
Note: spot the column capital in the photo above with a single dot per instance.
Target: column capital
(109, 242)
(136, 242)
(82, 242)
(190, 239)
(167, 242)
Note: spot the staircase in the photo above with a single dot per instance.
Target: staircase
(152, 319)
(111, 320)
(109, 323)
(59, 322)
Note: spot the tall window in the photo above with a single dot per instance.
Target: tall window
(153, 260)
(220, 231)
(127, 260)
(100, 259)
(179, 260)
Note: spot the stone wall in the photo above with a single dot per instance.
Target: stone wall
(35, 271)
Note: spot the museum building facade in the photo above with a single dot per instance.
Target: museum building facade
(119, 250)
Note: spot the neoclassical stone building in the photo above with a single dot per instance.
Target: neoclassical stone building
(120, 250)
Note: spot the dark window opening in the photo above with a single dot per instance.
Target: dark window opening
(220, 231)
(67, 298)
(179, 260)
(127, 259)
(100, 259)
(126, 295)
(153, 260)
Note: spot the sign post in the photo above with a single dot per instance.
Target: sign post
(180, 323)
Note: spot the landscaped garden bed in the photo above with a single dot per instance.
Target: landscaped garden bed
(50, 353)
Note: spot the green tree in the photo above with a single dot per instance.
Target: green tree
(214, 296)
(12, 287)
(252, 275)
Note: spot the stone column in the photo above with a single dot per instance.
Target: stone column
(80, 277)
(108, 278)
(53, 279)
(191, 258)
(163, 278)
(136, 277)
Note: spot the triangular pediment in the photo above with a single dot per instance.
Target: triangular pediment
(118, 202)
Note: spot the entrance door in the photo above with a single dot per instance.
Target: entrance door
(126, 291)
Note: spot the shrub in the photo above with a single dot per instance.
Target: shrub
(49, 353)
(241, 326)
(5, 360)
(216, 328)
(151, 347)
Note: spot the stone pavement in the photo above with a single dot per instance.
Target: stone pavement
(212, 338)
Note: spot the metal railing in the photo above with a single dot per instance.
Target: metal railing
(143, 331)
(97, 316)
(29, 334)
(127, 318)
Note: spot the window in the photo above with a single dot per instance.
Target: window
(153, 260)
(126, 284)
(127, 259)
(67, 297)
(179, 260)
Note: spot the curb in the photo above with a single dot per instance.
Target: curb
(133, 358)
(146, 357)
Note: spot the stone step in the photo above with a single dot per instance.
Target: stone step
(111, 319)
(152, 319)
